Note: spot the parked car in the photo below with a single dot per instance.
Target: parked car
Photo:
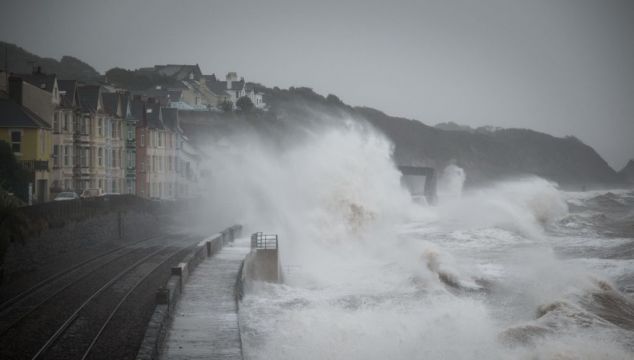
(66, 195)
(94, 192)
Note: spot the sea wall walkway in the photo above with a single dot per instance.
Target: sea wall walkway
(205, 324)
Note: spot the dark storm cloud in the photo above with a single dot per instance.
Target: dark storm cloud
(558, 66)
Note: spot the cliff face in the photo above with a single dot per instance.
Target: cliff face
(485, 155)
(627, 173)
(496, 154)
(22, 62)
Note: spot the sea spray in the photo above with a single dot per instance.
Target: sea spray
(451, 182)
(372, 275)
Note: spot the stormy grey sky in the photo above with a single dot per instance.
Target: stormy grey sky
(565, 67)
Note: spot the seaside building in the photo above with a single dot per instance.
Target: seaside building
(155, 146)
(232, 89)
(30, 139)
(64, 137)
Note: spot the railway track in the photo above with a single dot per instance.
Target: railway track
(71, 316)
(7, 304)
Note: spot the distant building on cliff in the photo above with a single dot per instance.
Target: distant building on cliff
(232, 89)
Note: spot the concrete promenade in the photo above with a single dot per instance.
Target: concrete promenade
(205, 324)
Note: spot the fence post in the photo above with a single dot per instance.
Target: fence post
(120, 223)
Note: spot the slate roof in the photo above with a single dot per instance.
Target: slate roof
(110, 102)
(220, 87)
(89, 97)
(164, 96)
(153, 116)
(67, 90)
(40, 80)
(170, 118)
(13, 115)
(137, 109)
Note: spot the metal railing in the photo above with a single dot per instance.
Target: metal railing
(262, 241)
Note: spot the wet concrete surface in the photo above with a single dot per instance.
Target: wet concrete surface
(205, 324)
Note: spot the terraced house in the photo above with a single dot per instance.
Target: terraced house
(183, 160)
(130, 123)
(30, 139)
(90, 162)
(115, 148)
(155, 152)
(64, 136)
(39, 94)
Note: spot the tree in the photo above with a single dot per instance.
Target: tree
(334, 99)
(245, 104)
(226, 106)
(13, 177)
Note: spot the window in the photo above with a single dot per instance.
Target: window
(85, 157)
(130, 133)
(131, 160)
(142, 140)
(56, 122)
(56, 156)
(100, 157)
(16, 141)
(100, 127)
(142, 165)
(67, 155)
(114, 129)
(67, 121)
(160, 139)
(160, 163)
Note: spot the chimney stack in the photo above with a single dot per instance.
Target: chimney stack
(15, 89)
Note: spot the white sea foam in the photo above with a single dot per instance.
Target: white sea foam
(372, 275)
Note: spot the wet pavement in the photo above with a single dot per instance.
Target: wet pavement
(205, 324)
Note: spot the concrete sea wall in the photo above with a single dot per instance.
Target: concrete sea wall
(168, 296)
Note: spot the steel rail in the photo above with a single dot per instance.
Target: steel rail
(125, 297)
(19, 297)
(47, 298)
(74, 315)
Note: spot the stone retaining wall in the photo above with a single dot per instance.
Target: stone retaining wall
(98, 233)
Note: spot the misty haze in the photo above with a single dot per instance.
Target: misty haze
(317, 179)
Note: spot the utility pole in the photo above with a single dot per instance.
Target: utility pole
(6, 66)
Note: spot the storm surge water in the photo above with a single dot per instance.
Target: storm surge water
(502, 272)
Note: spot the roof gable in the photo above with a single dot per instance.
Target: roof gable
(90, 98)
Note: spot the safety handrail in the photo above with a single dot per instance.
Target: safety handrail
(262, 241)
